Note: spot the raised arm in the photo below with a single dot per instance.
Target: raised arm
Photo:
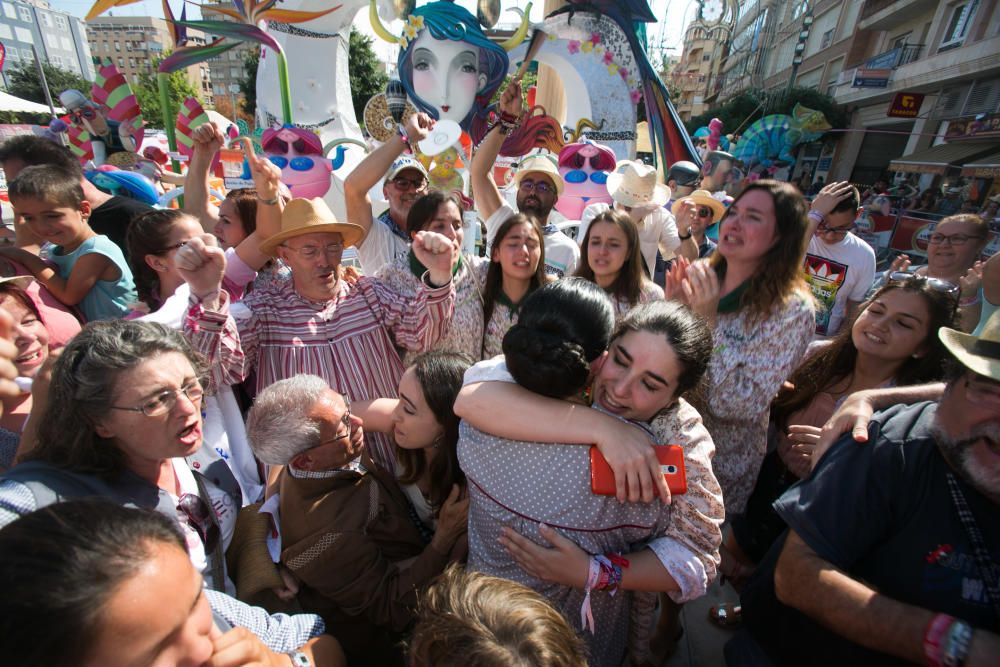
(674, 228)
(376, 414)
(267, 183)
(206, 140)
(87, 270)
(374, 167)
(484, 189)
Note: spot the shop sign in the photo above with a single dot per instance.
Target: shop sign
(905, 105)
(871, 78)
(981, 126)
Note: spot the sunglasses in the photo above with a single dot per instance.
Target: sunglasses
(408, 183)
(705, 212)
(596, 162)
(282, 146)
(296, 163)
(579, 176)
(935, 284)
(199, 517)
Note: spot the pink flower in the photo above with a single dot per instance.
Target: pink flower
(624, 73)
(574, 46)
(595, 37)
(636, 95)
(608, 58)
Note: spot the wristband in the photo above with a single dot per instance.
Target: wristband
(684, 237)
(299, 659)
(402, 135)
(270, 202)
(971, 301)
(956, 645)
(934, 638)
(816, 216)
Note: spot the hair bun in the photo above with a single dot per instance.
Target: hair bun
(545, 363)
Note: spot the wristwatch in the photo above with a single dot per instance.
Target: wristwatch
(684, 237)
(299, 659)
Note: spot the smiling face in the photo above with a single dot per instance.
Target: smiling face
(402, 191)
(53, 222)
(951, 259)
(894, 326)
(518, 252)
(158, 618)
(446, 75)
(147, 441)
(639, 378)
(414, 425)
(607, 251)
(30, 336)
(341, 438)
(749, 229)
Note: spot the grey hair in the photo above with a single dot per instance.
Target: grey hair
(85, 385)
(278, 426)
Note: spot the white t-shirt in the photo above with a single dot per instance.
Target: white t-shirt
(562, 254)
(380, 248)
(657, 231)
(838, 273)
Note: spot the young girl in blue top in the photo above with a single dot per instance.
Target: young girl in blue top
(90, 269)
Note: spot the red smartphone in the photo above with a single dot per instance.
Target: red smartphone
(671, 457)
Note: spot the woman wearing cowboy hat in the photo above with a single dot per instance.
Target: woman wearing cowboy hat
(635, 191)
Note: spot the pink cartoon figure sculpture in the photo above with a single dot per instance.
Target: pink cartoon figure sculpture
(584, 167)
(299, 155)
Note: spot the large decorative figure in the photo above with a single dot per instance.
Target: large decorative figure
(584, 167)
(299, 155)
(772, 138)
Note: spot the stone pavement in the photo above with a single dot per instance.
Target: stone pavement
(701, 645)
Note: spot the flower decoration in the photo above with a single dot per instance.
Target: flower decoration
(574, 46)
(623, 71)
(587, 47)
(595, 38)
(608, 58)
(613, 68)
(412, 28)
(635, 95)
(595, 45)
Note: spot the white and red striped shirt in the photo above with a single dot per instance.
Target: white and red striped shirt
(348, 341)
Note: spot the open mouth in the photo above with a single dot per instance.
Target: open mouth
(190, 435)
(445, 108)
(873, 338)
(28, 357)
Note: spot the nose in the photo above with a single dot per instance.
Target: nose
(22, 337)
(185, 404)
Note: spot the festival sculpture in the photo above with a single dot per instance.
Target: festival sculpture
(771, 139)
(584, 167)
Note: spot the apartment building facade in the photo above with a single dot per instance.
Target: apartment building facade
(133, 42)
(705, 50)
(58, 38)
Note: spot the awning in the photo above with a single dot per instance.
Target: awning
(984, 167)
(938, 159)
(10, 103)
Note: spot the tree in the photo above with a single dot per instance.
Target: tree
(367, 77)
(25, 83)
(248, 84)
(147, 93)
(738, 112)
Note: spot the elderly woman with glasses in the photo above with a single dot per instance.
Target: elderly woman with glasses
(954, 246)
(123, 421)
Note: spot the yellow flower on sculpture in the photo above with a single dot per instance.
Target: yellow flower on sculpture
(409, 30)
(587, 47)
(599, 50)
(613, 68)
(416, 21)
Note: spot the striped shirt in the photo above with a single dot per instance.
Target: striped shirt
(348, 341)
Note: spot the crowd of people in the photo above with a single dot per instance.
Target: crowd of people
(222, 446)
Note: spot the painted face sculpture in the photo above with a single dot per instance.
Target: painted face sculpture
(584, 167)
(447, 65)
(299, 155)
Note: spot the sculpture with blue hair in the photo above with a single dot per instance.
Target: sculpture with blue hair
(445, 21)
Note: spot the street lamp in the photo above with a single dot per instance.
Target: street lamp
(800, 48)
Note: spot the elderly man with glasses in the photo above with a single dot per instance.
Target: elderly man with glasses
(386, 236)
(840, 266)
(346, 530)
(538, 187)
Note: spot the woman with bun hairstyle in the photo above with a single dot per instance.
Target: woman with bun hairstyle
(542, 491)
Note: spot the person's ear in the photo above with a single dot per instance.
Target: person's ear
(302, 461)
(85, 209)
(155, 262)
(597, 364)
(102, 430)
(483, 79)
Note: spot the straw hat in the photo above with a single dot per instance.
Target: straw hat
(310, 216)
(18, 281)
(634, 183)
(702, 198)
(980, 354)
(539, 164)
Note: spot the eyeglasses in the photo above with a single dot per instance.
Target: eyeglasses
(982, 391)
(404, 184)
(296, 163)
(540, 187)
(824, 228)
(165, 401)
(312, 251)
(951, 239)
(934, 283)
(198, 515)
(346, 421)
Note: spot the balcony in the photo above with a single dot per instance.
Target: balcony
(887, 14)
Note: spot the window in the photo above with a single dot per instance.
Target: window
(131, 62)
(12, 54)
(121, 62)
(827, 39)
(46, 19)
(706, 57)
(60, 22)
(25, 14)
(958, 24)
(118, 47)
(57, 60)
(24, 35)
(5, 31)
(9, 11)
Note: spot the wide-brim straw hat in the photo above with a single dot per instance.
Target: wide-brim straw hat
(539, 164)
(310, 216)
(634, 184)
(702, 198)
(980, 354)
(18, 281)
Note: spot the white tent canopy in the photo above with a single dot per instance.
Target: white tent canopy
(10, 103)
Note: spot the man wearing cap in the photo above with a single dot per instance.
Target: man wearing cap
(385, 237)
(634, 188)
(538, 187)
(892, 551)
(318, 322)
(840, 266)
